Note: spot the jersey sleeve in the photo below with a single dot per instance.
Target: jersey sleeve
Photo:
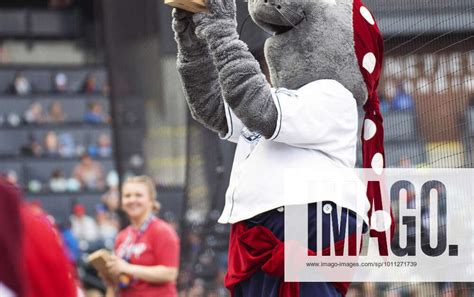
(166, 248)
(322, 118)
(234, 125)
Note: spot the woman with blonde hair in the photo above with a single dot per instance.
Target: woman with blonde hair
(146, 256)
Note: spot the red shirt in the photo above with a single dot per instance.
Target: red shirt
(48, 270)
(12, 274)
(158, 244)
(32, 258)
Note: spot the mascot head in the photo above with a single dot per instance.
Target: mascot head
(320, 39)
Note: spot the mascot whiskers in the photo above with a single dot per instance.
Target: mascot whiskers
(324, 59)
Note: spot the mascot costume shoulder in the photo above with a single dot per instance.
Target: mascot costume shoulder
(325, 59)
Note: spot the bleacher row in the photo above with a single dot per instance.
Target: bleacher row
(74, 106)
(28, 169)
(429, 73)
(429, 85)
(441, 65)
(42, 80)
(82, 136)
(405, 146)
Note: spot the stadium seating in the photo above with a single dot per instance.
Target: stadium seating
(41, 169)
(40, 23)
(74, 103)
(11, 141)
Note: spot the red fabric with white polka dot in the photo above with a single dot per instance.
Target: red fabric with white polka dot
(369, 51)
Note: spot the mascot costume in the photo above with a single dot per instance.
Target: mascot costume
(324, 59)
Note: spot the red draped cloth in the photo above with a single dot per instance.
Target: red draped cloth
(252, 249)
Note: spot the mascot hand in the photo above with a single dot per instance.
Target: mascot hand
(184, 33)
(221, 18)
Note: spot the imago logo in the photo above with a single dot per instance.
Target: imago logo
(426, 217)
(399, 225)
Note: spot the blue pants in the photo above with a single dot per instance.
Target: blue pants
(264, 285)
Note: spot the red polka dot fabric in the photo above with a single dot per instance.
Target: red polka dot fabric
(369, 51)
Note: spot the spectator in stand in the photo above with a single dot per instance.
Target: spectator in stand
(83, 226)
(170, 218)
(447, 290)
(402, 100)
(111, 202)
(90, 84)
(21, 85)
(56, 113)
(51, 144)
(12, 177)
(197, 289)
(194, 246)
(385, 103)
(111, 199)
(34, 114)
(108, 228)
(67, 146)
(148, 249)
(57, 182)
(89, 173)
(95, 114)
(102, 147)
(405, 162)
(60, 82)
(32, 147)
(354, 291)
(70, 242)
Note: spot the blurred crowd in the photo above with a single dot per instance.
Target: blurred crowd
(22, 86)
(396, 99)
(85, 231)
(54, 129)
(204, 257)
(410, 290)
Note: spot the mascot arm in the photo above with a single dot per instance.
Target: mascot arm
(198, 75)
(243, 84)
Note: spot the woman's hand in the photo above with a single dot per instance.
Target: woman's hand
(153, 274)
(117, 266)
(107, 282)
